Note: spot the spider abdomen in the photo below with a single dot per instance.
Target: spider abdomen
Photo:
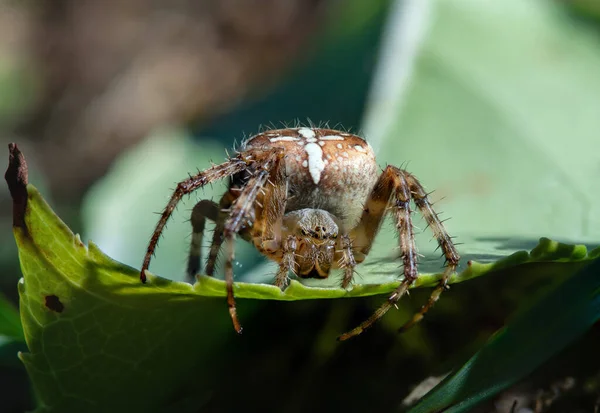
(326, 169)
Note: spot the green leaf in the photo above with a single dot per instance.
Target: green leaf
(98, 339)
(94, 331)
(556, 320)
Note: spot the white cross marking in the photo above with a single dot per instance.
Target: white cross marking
(332, 138)
(306, 132)
(284, 139)
(315, 161)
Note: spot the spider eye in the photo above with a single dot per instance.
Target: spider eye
(304, 232)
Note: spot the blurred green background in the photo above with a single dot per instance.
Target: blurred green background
(495, 105)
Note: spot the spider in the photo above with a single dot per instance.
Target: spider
(313, 200)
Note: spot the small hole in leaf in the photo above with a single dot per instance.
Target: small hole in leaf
(53, 303)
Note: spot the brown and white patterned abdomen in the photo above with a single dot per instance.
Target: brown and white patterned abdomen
(327, 169)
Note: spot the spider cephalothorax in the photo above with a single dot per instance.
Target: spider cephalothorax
(313, 200)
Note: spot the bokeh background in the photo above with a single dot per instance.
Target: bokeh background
(494, 104)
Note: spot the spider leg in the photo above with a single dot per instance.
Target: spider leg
(215, 212)
(270, 226)
(435, 295)
(391, 185)
(433, 221)
(348, 261)
(274, 203)
(218, 214)
(287, 263)
(185, 187)
(217, 241)
(444, 241)
(406, 185)
(240, 210)
(202, 210)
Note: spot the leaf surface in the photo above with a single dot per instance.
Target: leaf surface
(96, 334)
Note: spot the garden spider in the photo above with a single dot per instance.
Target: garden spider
(311, 199)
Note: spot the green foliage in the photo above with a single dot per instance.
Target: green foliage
(550, 324)
(94, 331)
(98, 339)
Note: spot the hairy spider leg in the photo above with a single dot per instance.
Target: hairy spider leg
(186, 187)
(391, 186)
(217, 238)
(403, 186)
(218, 214)
(269, 222)
(435, 295)
(444, 241)
(240, 210)
(347, 261)
(269, 226)
(202, 210)
(288, 261)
